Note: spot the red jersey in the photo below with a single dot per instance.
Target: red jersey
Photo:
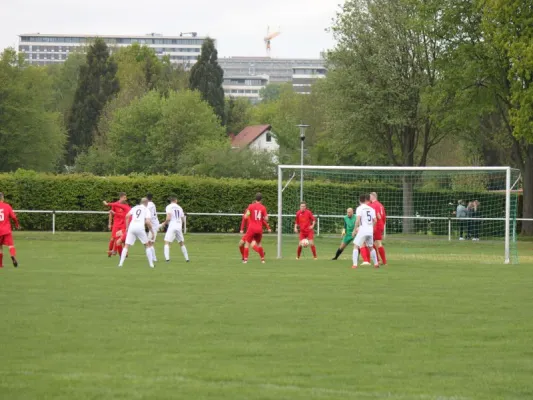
(6, 215)
(120, 210)
(304, 219)
(244, 222)
(256, 213)
(381, 216)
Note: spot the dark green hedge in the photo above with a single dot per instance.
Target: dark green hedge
(31, 191)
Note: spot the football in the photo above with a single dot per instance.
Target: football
(305, 242)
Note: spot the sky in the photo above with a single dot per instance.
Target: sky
(238, 25)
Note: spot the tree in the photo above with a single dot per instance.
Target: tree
(31, 132)
(238, 114)
(207, 77)
(97, 84)
(271, 92)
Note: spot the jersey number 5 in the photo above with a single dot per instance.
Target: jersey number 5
(258, 215)
(1, 215)
(368, 216)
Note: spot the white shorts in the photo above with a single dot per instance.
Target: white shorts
(364, 238)
(134, 234)
(174, 234)
(153, 236)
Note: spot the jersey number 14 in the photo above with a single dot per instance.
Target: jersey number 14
(1, 215)
(258, 215)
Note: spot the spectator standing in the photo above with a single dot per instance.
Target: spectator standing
(461, 214)
(475, 222)
(469, 222)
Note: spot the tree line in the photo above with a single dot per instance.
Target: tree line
(410, 83)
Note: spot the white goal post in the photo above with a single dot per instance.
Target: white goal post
(403, 186)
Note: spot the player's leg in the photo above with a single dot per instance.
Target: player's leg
(257, 247)
(355, 255)
(151, 239)
(181, 241)
(300, 245)
(248, 239)
(1, 251)
(241, 247)
(373, 254)
(311, 238)
(143, 238)
(130, 241)
(119, 243)
(7, 240)
(169, 238)
(111, 246)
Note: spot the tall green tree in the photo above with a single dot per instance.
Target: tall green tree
(237, 114)
(271, 92)
(207, 77)
(97, 84)
(31, 131)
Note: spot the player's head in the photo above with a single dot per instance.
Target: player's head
(258, 197)
(1, 196)
(461, 202)
(349, 212)
(149, 196)
(362, 199)
(144, 201)
(303, 206)
(373, 197)
(122, 196)
(173, 198)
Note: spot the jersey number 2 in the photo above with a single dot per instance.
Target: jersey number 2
(1, 215)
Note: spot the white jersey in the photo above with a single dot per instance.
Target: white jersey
(153, 214)
(176, 215)
(139, 215)
(367, 215)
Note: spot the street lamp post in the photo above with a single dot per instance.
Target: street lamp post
(302, 139)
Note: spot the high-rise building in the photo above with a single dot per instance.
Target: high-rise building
(42, 49)
(245, 86)
(304, 77)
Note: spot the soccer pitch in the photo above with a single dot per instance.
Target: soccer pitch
(74, 326)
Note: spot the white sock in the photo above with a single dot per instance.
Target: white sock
(167, 252)
(123, 256)
(374, 256)
(184, 251)
(153, 254)
(355, 256)
(149, 255)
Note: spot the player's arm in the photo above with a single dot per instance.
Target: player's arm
(183, 218)
(169, 217)
(128, 219)
(312, 219)
(265, 224)
(296, 224)
(357, 224)
(14, 218)
(344, 229)
(148, 223)
(243, 221)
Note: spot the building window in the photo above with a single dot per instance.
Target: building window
(268, 137)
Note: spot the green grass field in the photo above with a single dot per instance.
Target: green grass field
(437, 323)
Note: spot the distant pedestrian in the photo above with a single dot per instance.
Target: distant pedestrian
(460, 214)
(469, 221)
(476, 223)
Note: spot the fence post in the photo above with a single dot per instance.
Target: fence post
(318, 226)
(450, 229)
(53, 222)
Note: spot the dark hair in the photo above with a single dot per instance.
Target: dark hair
(149, 196)
(258, 197)
(173, 197)
(367, 197)
(121, 194)
(362, 198)
(303, 202)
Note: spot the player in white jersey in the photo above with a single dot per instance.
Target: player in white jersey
(155, 224)
(137, 219)
(175, 220)
(364, 232)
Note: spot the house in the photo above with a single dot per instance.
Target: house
(255, 137)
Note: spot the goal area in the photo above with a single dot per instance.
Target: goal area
(460, 213)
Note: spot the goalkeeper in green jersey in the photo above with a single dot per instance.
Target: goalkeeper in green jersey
(347, 238)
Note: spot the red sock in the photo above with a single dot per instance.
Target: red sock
(313, 250)
(299, 252)
(381, 251)
(12, 251)
(119, 249)
(241, 249)
(246, 253)
(1, 257)
(365, 254)
(260, 251)
(111, 244)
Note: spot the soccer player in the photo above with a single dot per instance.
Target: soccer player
(175, 220)
(379, 229)
(257, 215)
(6, 235)
(347, 238)
(119, 210)
(305, 220)
(364, 232)
(152, 235)
(137, 219)
(244, 222)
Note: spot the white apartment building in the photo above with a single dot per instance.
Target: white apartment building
(245, 86)
(43, 49)
(303, 78)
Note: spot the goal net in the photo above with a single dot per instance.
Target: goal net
(433, 213)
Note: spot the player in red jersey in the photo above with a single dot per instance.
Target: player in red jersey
(6, 236)
(305, 220)
(244, 222)
(379, 228)
(119, 210)
(256, 214)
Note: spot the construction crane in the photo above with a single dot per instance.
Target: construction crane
(269, 36)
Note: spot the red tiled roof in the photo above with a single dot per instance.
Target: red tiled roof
(248, 135)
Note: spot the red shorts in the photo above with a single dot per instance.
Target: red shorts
(250, 237)
(378, 233)
(7, 240)
(309, 235)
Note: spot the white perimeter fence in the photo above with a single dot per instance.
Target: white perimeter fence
(53, 214)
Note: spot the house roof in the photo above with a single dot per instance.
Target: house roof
(248, 135)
